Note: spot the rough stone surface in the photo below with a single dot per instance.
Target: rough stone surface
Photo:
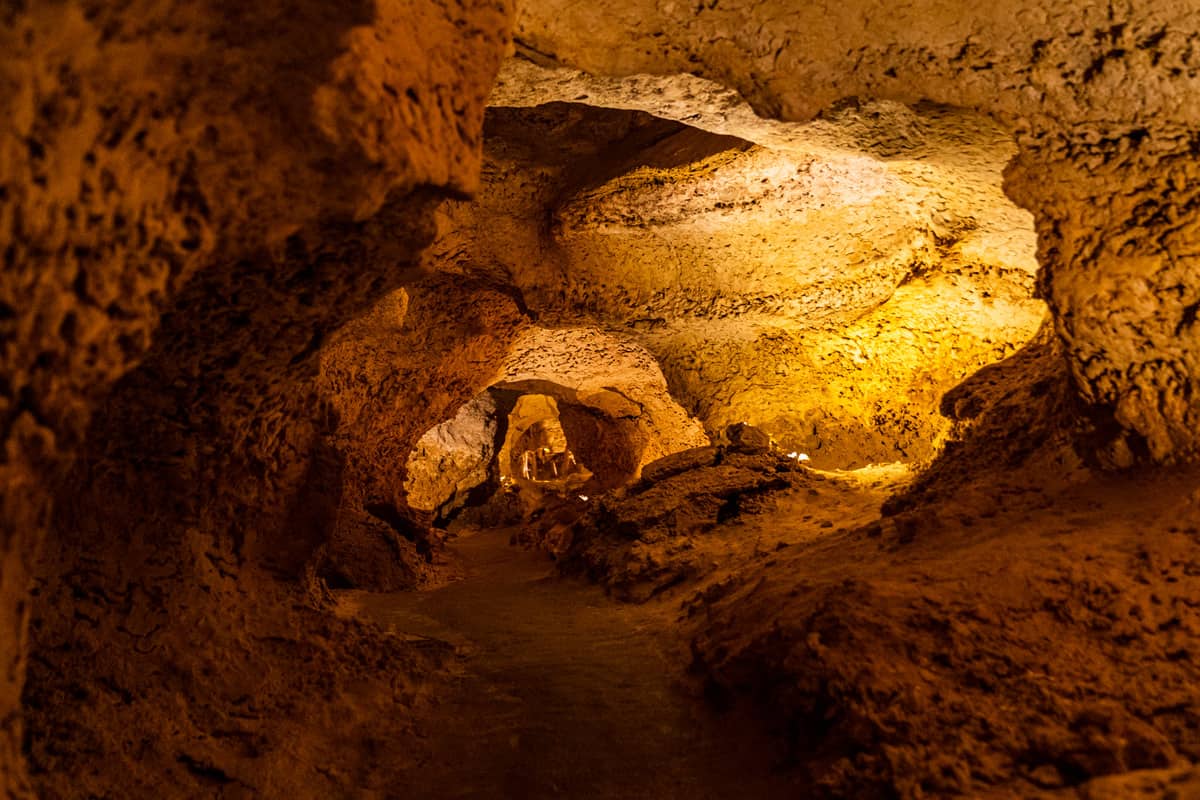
(950, 651)
(242, 276)
(162, 151)
(1101, 99)
(1016, 626)
(454, 457)
(828, 294)
(636, 541)
(388, 377)
(610, 378)
(1181, 783)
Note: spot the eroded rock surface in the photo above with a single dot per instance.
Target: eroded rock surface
(827, 284)
(243, 276)
(388, 377)
(1099, 98)
(643, 540)
(187, 175)
(454, 457)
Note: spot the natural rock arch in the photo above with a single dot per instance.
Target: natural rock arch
(610, 398)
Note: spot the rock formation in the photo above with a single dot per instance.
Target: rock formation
(181, 185)
(1098, 102)
(283, 288)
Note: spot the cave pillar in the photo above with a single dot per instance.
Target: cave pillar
(1119, 243)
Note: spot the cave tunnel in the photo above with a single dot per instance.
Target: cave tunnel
(600, 400)
(514, 442)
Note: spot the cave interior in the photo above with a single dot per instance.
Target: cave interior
(609, 400)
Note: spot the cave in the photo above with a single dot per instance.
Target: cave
(600, 400)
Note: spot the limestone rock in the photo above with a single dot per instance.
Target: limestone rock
(631, 542)
(1099, 103)
(184, 194)
(746, 438)
(825, 295)
(453, 457)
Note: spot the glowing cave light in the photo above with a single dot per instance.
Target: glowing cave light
(583, 497)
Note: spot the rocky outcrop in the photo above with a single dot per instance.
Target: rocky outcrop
(1027, 644)
(1098, 98)
(641, 541)
(163, 171)
(825, 281)
(453, 458)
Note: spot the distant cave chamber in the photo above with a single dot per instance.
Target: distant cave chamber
(828, 290)
(523, 443)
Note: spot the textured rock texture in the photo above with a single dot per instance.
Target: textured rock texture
(454, 457)
(243, 276)
(1101, 101)
(1014, 626)
(828, 285)
(642, 541)
(609, 401)
(613, 380)
(161, 166)
(388, 377)
(954, 653)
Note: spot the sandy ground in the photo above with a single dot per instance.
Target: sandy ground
(1013, 640)
(562, 692)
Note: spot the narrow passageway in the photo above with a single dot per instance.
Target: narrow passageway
(562, 692)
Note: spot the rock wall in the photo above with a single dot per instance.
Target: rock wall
(827, 285)
(389, 377)
(451, 459)
(1101, 100)
(170, 599)
(140, 147)
(610, 398)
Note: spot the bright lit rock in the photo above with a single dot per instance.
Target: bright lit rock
(453, 457)
(815, 287)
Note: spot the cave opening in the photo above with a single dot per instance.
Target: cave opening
(815, 294)
(510, 449)
(537, 451)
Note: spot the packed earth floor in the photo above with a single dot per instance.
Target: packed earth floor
(557, 690)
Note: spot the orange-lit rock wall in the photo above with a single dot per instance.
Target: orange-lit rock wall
(1101, 99)
(195, 198)
(153, 156)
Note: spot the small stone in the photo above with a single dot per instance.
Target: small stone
(746, 438)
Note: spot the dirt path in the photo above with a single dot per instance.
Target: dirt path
(563, 693)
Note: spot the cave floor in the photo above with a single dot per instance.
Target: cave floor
(1022, 613)
(561, 692)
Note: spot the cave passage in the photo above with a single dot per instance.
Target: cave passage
(533, 400)
(704, 375)
(536, 449)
